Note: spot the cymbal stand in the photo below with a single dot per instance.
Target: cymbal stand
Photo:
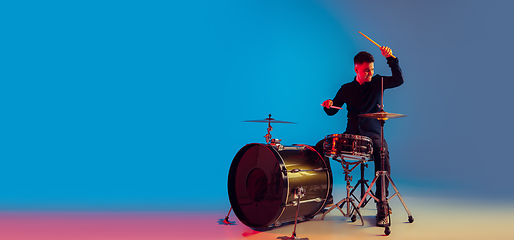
(382, 116)
(350, 209)
(384, 201)
(299, 192)
(268, 120)
(268, 135)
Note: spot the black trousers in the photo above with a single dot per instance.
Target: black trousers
(377, 145)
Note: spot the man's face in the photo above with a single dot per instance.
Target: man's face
(364, 72)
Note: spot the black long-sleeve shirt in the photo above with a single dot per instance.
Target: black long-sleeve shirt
(365, 98)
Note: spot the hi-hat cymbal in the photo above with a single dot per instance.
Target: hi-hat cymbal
(382, 115)
(269, 120)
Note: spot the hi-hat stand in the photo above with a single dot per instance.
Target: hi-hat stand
(382, 116)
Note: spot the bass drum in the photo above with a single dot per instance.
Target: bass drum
(261, 184)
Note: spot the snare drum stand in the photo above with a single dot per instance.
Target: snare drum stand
(350, 209)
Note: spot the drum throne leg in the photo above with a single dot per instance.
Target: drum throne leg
(364, 185)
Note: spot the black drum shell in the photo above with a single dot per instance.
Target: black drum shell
(261, 191)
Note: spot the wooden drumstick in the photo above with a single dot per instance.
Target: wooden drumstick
(333, 107)
(374, 42)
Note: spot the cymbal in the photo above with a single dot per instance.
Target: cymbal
(269, 120)
(382, 115)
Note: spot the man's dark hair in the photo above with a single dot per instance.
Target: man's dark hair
(363, 57)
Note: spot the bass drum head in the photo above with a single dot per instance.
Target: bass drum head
(261, 193)
(256, 185)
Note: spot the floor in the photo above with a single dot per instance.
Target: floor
(434, 219)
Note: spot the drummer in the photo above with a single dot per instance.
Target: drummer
(363, 95)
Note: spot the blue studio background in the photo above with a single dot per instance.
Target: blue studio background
(138, 105)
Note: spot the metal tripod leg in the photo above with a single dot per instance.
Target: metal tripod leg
(411, 219)
(385, 174)
(350, 212)
(350, 205)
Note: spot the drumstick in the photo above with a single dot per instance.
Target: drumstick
(373, 42)
(333, 107)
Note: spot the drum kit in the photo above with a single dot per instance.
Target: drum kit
(272, 184)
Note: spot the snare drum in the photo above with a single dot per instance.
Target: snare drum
(262, 181)
(349, 146)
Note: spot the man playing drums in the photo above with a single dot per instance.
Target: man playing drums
(363, 95)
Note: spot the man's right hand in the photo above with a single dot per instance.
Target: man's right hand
(387, 52)
(327, 103)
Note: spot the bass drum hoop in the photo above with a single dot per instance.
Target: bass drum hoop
(285, 186)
